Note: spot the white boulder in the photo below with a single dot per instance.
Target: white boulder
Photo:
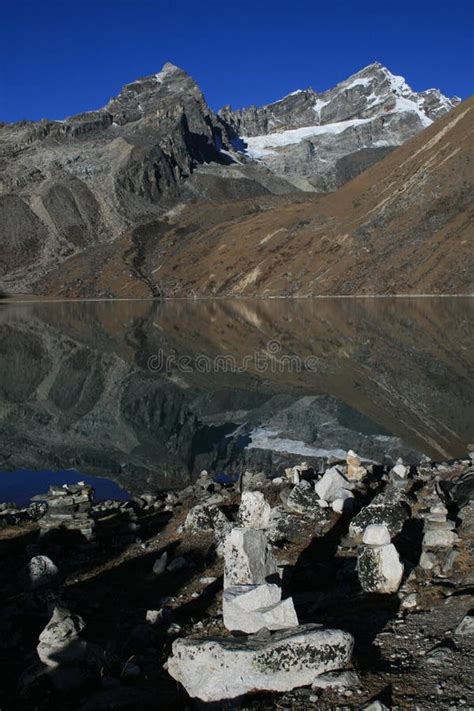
(400, 470)
(343, 501)
(213, 669)
(378, 566)
(330, 483)
(248, 559)
(254, 510)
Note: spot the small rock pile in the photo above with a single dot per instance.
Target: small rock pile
(214, 669)
(69, 507)
(250, 601)
(438, 540)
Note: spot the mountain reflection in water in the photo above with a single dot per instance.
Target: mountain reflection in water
(133, 390)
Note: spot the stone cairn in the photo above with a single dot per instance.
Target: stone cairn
(219, 668)
(69, 507)
(378, 563)
(439, 538)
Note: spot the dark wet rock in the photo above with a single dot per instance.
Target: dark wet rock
(120, 697)
(460, 491)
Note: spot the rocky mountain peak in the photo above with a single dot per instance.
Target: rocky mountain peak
(318, 141)
(148, 94)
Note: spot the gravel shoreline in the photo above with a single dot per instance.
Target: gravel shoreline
(128, 579)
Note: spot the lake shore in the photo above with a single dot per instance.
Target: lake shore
(150, 573)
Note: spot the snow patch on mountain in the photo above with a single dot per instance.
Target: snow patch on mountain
(259, 146)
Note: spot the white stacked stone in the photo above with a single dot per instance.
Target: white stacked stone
(438, 538)
(355, 470)
(248, 559)
(378, 563)
(250, 602)
(334, 489)
(250, 608)
(69, 507)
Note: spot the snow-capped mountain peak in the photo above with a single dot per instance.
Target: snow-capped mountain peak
(369, 113)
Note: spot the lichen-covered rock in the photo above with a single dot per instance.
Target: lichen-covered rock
(387, 509)
(379, 568)
(248, 558)
(214, 669)
(59, 642)
(304, 500)
(286, 526)
(41, 571)
(198, 519)
(222, 527)
(203, 518)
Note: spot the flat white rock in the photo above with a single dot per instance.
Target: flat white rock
(277, 616)
(376, 535)
(336, 680)
(213, 669)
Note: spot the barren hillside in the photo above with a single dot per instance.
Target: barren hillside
(404, 226)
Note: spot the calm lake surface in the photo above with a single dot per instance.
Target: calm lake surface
(147, 394)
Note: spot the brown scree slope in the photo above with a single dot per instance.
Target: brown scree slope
(405, 226)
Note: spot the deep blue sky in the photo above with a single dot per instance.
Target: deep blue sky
(59, 58)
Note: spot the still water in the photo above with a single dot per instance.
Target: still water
(147, 394)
